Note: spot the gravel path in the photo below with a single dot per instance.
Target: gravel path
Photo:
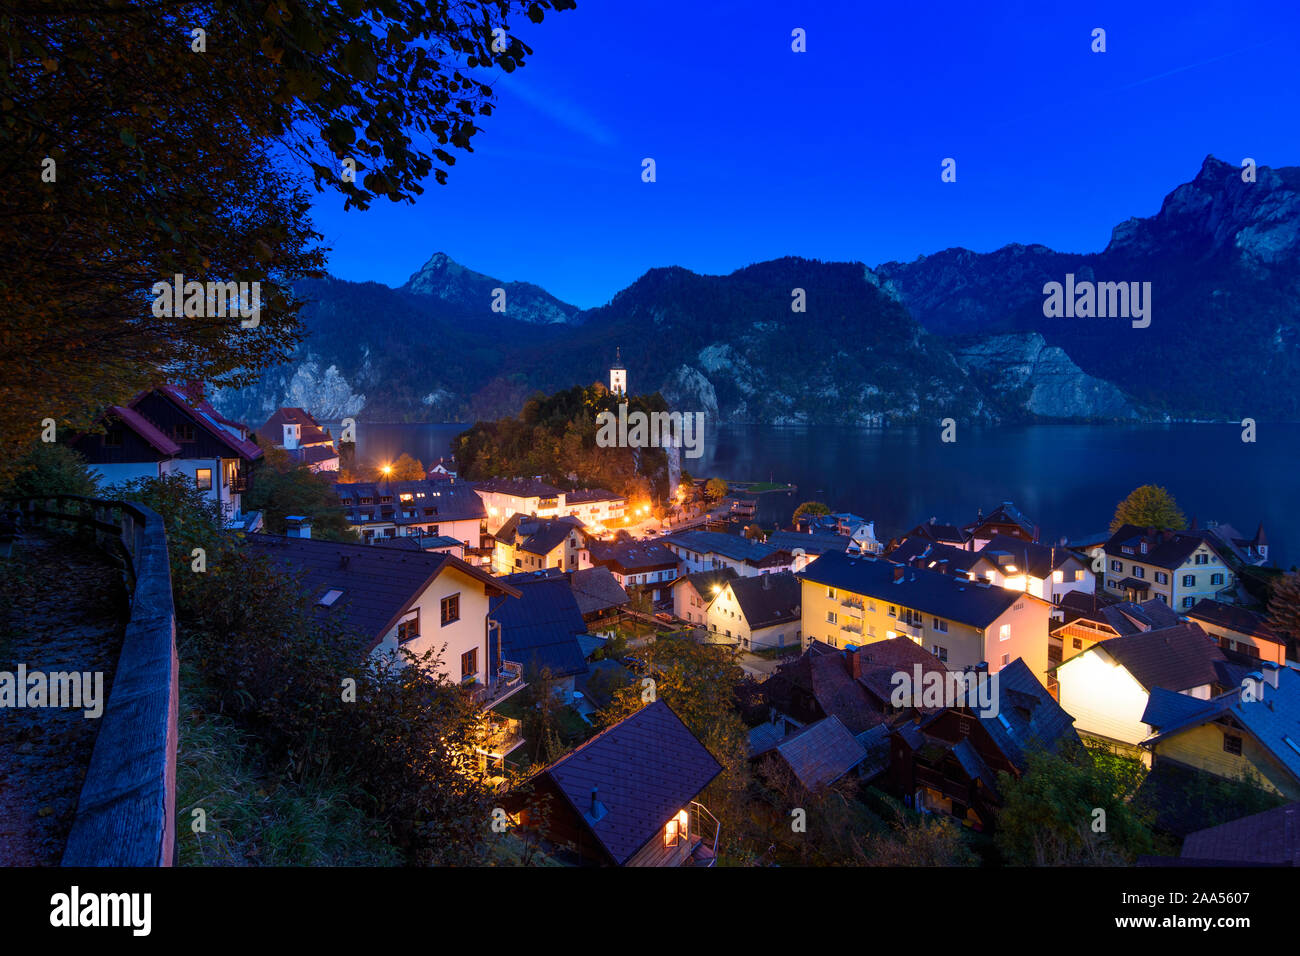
(62, 608)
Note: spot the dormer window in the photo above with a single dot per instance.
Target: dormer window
(367, 501)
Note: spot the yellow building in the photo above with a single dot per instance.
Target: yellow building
(1176, 567)
(860, 600)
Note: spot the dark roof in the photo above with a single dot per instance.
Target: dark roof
(1037, 560)
(1005, 513)
(309, 432)
(731, 546)
(811, 543)
(923, 553)
(938, 532)
(1176, 658)
(596, 590)
(582, 496)
(536, 535)
(820, 753)
(1028, 715)
(944, 595)
(1273, 718)
(632, 557)
(313, 454)
(144, 428)
(1234, 618)
(879, 661)
(822, 673)
(768, 599)
(644, 770)
(1135, 584)
(518, 487)
(378, 584)
(210, 420)
(1165, 708)
(1165, 549)
(1271, 837)
(450, 501)
(541, 628)
(705, 581)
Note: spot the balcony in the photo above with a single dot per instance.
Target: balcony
(855, 603)
(507, 681)
(852, 628)
(696, 845)
(239, 483)
(908, 628)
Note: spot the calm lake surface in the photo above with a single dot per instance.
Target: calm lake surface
(1067, 478)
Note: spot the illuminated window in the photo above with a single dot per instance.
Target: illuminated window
(203, 476)
(1004, 632)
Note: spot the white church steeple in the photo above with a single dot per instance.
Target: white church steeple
(618, 374)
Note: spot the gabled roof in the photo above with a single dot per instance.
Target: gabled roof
(814, 543)
(705, 581)
(768, 599)
(309, 430)
(1240, 619)
(1270, 838)
(644, 769)
(820, 753)
(1005, 513)
(731, 546)
(537, 535)
(879, 661)
(822, 673)
(596, 589)
(928, 591)
(1273, 719)
(144, 428)
(1165, 549)
(540, 629)
(1028, 715)
(1176, 658)
(1037, 560)
(632, 557)
(210, 420)
(377, 585)
(313, 454)
(938, 532)
(921, 552)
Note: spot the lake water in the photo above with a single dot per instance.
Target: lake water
(1067, 478)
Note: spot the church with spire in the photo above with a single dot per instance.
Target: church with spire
(618, 374)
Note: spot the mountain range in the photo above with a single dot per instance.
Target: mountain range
(957, 333)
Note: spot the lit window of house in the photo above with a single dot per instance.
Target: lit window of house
(203, 476)
(1004, 632)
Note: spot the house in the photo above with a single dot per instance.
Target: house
(1236, 735)
(859, 600)
(1107, 687)
(920, 552)
(1177, 567)
(757, 612)
(393, 509)
(174, 431)
(1248, 551)
(390, 599)
(629, 796)
(298, 433)
(1091, 617)
(1046, 572)
(936, 532)
(601, 599)
(712, 550)
(692, 594)
(1270, 838)
(948, 761)
(1240, 631)
(596, 507)
(528, 544)
(540, 630)
(640, 564)
(816, 755)
(442, 469)
(503, 497)
(821, 683)
(805, 545)
(1005, 520)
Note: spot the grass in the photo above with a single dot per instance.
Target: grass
(251, 817)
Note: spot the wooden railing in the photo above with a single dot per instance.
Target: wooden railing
(126, 815)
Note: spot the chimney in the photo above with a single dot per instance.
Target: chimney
(854, 663)
(595, 803)
(898, 573)
(297, 526)
(1192, 526)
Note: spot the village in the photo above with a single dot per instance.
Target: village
(1150, 643)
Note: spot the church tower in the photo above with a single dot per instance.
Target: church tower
(618, 374)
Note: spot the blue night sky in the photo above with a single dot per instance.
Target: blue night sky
(835, 153)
